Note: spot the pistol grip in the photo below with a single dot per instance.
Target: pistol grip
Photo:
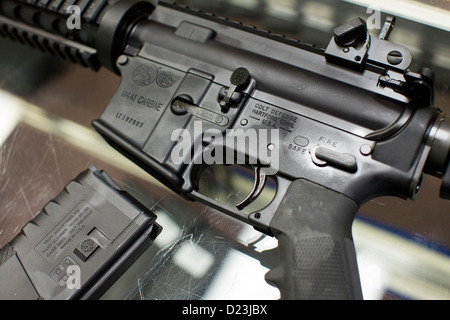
(317, 258)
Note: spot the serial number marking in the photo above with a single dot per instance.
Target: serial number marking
(129, 120)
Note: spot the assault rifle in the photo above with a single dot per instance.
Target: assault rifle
(350, 122)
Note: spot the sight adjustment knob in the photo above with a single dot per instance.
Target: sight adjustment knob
(351, 32)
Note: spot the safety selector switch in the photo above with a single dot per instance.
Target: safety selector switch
(323, 156)
(233, 95)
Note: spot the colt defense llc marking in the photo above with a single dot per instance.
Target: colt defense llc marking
(273, 117)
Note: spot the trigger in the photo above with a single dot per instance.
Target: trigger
(258, 185)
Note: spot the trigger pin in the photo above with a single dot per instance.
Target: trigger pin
(258, 185)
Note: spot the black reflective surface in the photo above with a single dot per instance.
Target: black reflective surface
(46, 139)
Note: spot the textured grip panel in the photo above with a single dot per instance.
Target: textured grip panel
(316, 277)
(317, 258)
